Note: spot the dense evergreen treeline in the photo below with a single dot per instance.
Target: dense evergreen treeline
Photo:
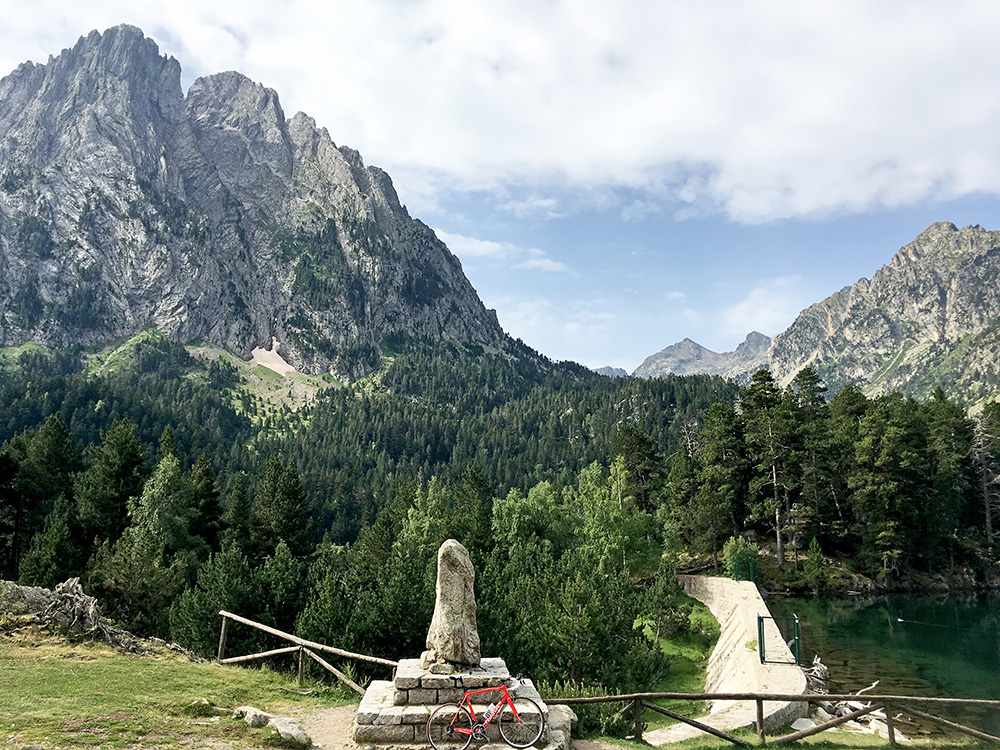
(175, 492)
(889, 482)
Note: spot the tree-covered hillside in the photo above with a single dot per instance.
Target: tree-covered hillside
(175, 490)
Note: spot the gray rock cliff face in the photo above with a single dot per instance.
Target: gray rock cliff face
(125, 204)
(930, 317)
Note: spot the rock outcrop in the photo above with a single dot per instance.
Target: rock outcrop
(125, 204)
(931, 317)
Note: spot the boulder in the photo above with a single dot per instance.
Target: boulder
(72, 609)
(253, 717)
(561, 723)
(23, 600)
(290, 729)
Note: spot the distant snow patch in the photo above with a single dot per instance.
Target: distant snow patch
(271, 359)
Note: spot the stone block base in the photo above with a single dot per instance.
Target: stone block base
(415, 686)
(382, 721)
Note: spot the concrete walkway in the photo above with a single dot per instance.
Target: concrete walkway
(734, 666)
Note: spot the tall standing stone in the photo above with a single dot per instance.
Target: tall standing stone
(453, 639)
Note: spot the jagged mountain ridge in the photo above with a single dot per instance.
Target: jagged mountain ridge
(690, 358)
(125, 204)
(929, 318)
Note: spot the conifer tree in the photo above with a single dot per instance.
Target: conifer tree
(56, 553)
(225, 582)
(207, 521)
(985, 452)
(116, 474)
(282, 512)
(769, 430)
(46, 462)
(237, 521)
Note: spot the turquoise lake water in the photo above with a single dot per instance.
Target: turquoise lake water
(945, 646)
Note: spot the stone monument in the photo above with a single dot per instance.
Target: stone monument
(453, 639)
(396, 712)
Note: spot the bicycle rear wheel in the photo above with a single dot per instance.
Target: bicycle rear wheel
(449, 727)
(524, 729)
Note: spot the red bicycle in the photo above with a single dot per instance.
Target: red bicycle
(452, 726)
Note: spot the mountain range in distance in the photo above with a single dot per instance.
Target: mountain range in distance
(928, 319)
(126, 205)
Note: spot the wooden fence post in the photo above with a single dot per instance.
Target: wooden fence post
(637, 718)
(889, 723)
(222, 637)
(760, 720)
(302, 660)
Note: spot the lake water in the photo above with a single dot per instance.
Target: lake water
(945, 646)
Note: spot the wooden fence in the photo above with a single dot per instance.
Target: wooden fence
(639, 701)
(302, 646)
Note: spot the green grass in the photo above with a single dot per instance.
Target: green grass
(119, 356)
(267, 375)
(829, 740)
(57, 694)
(688, 654)
(10, 354)
(888, 367)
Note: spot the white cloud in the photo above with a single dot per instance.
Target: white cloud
(760, 109)
(674, 296)
(769, 308)
(532, 207)
(543, 264)
(471, 248)
(584, 331)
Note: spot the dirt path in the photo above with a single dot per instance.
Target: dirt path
(330, 728)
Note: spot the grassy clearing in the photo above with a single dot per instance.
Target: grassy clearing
(10, 354)
(119, 355)
(59, 694)
(688, 654)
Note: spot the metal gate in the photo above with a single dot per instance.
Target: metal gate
(794, 642)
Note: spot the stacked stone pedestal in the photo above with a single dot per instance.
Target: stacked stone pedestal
(396, 713)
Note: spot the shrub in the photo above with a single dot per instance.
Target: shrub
(605, 719)
(740, 555)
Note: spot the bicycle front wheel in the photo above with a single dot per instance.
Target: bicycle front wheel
(525, 728)
(449, 727)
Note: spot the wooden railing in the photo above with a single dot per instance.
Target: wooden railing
(302, 646)
(640, 701)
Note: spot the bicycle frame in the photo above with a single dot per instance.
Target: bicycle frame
(467, 703)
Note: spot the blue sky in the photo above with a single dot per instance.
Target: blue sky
(616, 177)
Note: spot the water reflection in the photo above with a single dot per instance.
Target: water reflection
(945, 645)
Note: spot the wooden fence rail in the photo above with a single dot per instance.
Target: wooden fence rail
(639, 701)
(302, 646)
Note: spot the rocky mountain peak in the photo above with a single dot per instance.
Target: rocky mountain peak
(942, 247)
(930, 317)
(688, 357)
(125, 205)
(755, 344)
